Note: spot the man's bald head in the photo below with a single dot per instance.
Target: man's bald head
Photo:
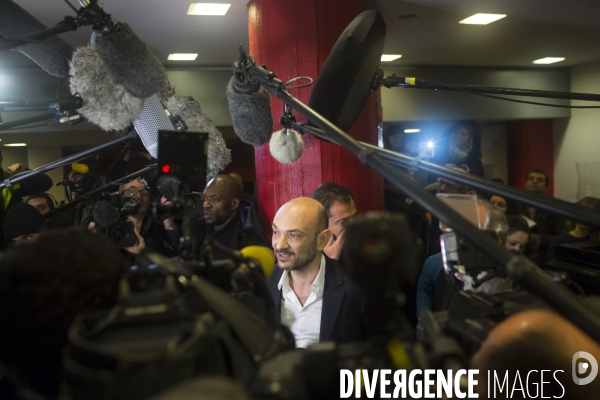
(537, 340)
(230, 185)
(220, 200)
(300, 234)
(237, 177)
(306, 208)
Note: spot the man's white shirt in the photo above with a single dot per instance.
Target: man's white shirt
(303, 321)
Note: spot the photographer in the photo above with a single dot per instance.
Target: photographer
(12, 195)
(158, 236)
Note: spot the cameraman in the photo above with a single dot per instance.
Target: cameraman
(158, 236)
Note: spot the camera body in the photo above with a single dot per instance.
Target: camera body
(110, 215)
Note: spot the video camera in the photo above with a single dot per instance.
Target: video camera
(110, 215)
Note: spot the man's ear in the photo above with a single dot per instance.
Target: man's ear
(235, 203)
(323, 239)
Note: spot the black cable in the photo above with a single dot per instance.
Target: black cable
(25, 127)
(58, 89)
(506, 99)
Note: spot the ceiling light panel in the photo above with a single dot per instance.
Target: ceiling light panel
(182, 56)
(549, 60)
(390, 57)
(208, 9)
(482, 19)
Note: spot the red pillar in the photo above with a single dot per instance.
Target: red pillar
(529, 146)
(293, 38)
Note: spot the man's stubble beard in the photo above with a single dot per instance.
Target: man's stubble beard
(303, 260)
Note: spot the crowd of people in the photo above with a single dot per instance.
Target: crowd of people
(50, 275)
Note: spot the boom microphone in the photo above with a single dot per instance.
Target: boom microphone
(105, 214)
(286, 146)
(106, 103)
(52, 54)
(250, 113)
(131, 61)
(189, 110)
(168, 186)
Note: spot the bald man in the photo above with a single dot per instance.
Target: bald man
(228, 218)
(534, 341)
(317, 301)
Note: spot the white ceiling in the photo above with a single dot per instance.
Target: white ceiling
(433, 37)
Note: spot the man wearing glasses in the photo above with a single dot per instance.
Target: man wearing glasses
(158, 236)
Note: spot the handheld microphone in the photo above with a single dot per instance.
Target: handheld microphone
(249, 104)
(52, 54)
(106, 103)
(286, 146)
(264, 256)
(80, 168)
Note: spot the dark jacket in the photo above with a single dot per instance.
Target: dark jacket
(156, 238)
(342, 318)
(241, 231)
(12, 195)
(548, 226)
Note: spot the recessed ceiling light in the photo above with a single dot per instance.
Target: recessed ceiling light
(390, 57)
(15, 144)
(412, 130)
(182, 56)
(482, 19)
(208, 9)
(549, 60)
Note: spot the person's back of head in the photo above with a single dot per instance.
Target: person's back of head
(43, 286)
(207, 388)
(533, 341)
(329, 193)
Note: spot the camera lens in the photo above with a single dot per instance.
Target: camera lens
(118, 234)
(121, 234)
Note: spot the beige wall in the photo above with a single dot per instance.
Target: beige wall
(493, 149)
(577, 140)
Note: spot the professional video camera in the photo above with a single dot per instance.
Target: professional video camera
(170, 325)
(110, 215)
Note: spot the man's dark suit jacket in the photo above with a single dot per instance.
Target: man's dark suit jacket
(342, 314)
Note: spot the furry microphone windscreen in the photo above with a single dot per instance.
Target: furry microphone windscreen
(52, 54)
(286, 147)
(104, 213)
(105, 102)
(131, 61)
(168, 186)
(189, 110)
(250, 115)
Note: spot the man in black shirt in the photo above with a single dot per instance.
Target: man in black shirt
(228, 219)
